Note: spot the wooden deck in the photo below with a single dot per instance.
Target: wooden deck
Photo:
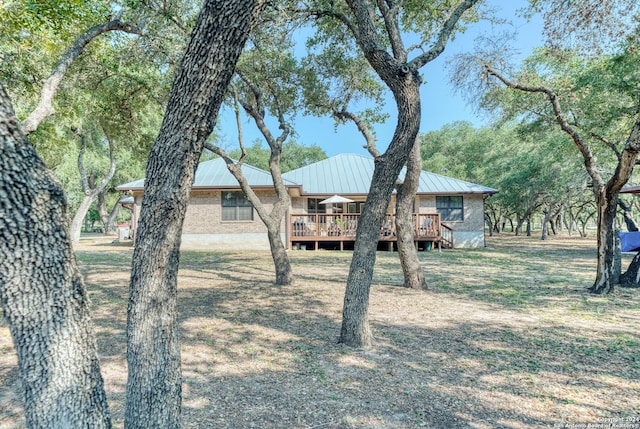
(334, 230)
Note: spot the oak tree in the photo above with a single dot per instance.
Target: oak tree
(378, 31)
(153, 341)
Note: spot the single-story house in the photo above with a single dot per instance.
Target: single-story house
(327, 198)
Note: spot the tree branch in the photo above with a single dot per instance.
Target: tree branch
(45, 108)
(86, 189)
(324, 13)
(561, 119)
(363, 128)
(236, 110)
(443, 35)
(367, 36)
(390, 16)
(627, 159)
(607, 143)
(112, 162)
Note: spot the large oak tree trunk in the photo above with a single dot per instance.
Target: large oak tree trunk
(405, 224)
(355, 329)
(42, 292)
(153, 352)
(403, 80)
(607, 275)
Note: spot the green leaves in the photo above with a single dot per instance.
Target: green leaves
(294, 155)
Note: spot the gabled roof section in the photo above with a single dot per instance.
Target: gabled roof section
(344, 174)
(340, 174)
(431, 183)
(214, 174)
(349, 174)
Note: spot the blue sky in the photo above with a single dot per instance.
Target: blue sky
(440, 103)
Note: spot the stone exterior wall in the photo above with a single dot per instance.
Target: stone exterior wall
(204, 215)
(204, 228)
(467, 233)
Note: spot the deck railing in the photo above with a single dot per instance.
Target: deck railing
(342, 227)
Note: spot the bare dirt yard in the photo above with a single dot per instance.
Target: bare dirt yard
(505, 337)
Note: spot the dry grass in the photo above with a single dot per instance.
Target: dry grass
(505, 337)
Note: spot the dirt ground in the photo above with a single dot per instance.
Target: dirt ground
(505, 337)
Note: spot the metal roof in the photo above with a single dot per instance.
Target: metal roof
(341, 174)
(351, 174)
(346, 174)
(630, 190)
(431, 183)
(214, 174)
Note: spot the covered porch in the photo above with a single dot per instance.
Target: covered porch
(338, 231)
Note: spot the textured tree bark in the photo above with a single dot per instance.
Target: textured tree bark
(631, 224)
(405, 225)
(631, 277)
(76, 223)
(355, 330)
(42, 292)
(404, 81)
(90, 194)
(606, 276)
(284, 273)
(153, 343)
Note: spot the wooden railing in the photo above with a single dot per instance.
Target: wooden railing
(342, 227)
(446, 237)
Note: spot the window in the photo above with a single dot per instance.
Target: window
(450, 208)
(314, 206)
(235, 206)
(355, 207)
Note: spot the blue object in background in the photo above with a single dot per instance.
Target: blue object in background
(629, 241)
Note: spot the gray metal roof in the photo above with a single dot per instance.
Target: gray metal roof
(346, 174)
(341, 174)
(431, 183)
(349, 174)
(214, 174)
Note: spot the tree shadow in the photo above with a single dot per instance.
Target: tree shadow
(255, 355)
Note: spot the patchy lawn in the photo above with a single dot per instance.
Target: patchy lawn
(505, 337)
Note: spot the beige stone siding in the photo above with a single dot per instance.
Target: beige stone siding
(204, 215)
(203, 226)
(299, 205)
(473, 212)
(467, 233)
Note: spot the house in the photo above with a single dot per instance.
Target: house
(327, 198)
